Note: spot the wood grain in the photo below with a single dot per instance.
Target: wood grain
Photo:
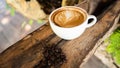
(28, 52)
(85, 43)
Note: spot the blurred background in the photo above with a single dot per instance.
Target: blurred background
(14, 26)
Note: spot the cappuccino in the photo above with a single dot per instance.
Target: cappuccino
(68, 17)
(70, 22)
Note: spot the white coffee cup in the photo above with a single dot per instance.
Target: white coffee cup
(72, 32)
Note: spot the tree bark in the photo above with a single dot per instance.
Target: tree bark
(29, 51)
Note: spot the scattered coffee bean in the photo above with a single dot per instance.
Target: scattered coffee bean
(53, 57)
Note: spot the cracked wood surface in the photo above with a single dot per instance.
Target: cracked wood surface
(28, 52)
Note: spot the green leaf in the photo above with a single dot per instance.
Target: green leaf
(117, 59)
(7, 6)
(30, 22)
(39, 21)
(12, 12)
(114, 46)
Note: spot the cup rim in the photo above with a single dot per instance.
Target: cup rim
(50, 20)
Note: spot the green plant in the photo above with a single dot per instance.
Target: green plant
(12, 10)
(114, 45)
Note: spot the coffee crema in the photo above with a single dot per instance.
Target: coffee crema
(68, 18)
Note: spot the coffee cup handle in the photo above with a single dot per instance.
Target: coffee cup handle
(93, 22)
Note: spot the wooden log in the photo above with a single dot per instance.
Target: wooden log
(29, 51)
(93, 5)
(91, 36)
(100, 45)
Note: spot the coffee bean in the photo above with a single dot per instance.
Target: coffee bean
(53, 57)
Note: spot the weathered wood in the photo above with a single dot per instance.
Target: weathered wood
(93, 5)
(100, 44)
(84, 4)
(26, 53)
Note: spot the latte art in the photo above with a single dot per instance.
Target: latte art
(68, 18)
(69, 22)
